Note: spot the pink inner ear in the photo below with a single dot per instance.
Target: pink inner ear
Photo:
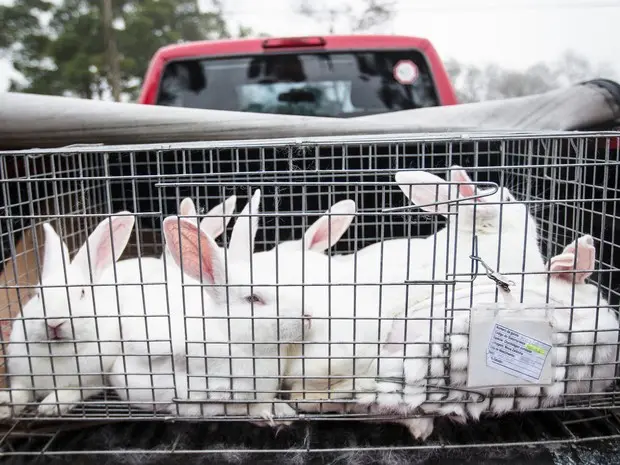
(565, 267)
(561, 263)
(104, 250)
(319, 236)
(465, 190)
(587, 258)
(188, 250)
(565, 264)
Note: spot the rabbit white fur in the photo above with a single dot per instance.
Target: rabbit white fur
(387, 259)
(197, 346)
(343, 343)
(68, 337)
(346, 331)
(512, 251)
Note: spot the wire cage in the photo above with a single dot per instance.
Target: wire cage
(353, 322)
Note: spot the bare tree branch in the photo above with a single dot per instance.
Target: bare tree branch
(475, 83)
(374, 13)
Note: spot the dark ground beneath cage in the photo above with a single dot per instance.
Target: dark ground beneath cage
(566, 438)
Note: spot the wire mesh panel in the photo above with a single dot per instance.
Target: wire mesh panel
(392, 280)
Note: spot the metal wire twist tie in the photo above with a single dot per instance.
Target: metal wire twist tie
(499, 279)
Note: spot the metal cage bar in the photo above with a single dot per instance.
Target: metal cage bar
(230, 365)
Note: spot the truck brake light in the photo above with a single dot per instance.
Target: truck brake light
(291, 42)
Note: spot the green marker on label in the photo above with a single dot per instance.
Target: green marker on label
(536, 349)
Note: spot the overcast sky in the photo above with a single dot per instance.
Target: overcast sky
(512, 33)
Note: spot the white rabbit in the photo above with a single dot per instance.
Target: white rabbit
(331, 339)
(223, 358)
(346, 327)
(67, 337)
(513, 249)
(303, 262)
(502, 229)
(584, 364)
(161, 324)
(346, 332)
(585, 336)
(491, 225)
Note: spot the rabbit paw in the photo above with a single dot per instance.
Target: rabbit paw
(12, 403)
(420, 428)
(388, 396)
(5, 412)
(6, 409)
(58, 403)
(49, 409)
(270, 417)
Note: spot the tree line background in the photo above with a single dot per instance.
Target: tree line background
(95, 49)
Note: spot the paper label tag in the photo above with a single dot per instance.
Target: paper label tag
(516, 353)
(510, 347)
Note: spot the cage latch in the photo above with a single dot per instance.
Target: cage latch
(499, 279)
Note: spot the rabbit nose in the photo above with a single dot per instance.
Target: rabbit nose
(53, 329)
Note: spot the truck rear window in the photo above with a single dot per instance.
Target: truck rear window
(335, 84)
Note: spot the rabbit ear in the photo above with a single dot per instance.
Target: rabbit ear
(458, 174)
(105, 245)
(328, 229)
(187, 207)
(216, 220)
(56, 253)
(425, 190)
(244, 232)
(193, 250)
(578, 256)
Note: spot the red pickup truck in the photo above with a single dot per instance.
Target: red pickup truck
(338, 76)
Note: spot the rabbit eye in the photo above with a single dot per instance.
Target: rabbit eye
(254, 299)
